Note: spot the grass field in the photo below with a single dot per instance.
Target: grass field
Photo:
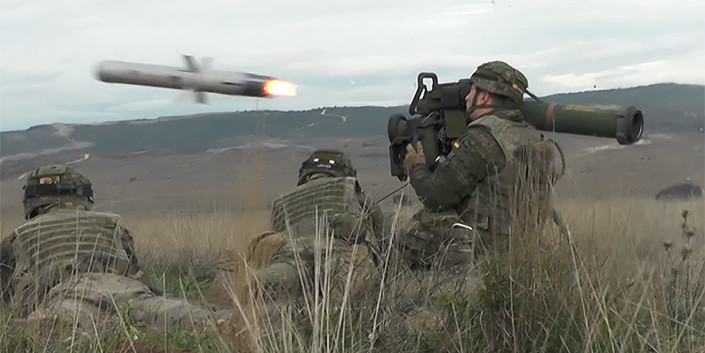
(632, 279)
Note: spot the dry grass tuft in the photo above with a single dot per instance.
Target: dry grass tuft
(632, 281)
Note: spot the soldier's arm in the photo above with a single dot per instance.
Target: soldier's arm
(7, 267)
(377, 220)
(128, 245)
(475, 156)
(136, 271)
(373, 211)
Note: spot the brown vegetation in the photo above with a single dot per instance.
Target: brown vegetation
(128, 346)
(632, 281)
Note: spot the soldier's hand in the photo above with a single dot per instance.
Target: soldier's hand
(414, 156)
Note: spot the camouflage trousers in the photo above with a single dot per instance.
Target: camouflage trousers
(439, 240)
(92, 297)
(332, 266)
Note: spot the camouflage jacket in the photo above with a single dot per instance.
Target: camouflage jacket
(481, 175)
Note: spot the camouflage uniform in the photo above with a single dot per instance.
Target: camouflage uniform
(79, 264)
(330, 230)
(500, 171)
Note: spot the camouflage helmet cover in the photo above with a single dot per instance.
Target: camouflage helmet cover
(500, 78)
(56, 184)
(333, 163)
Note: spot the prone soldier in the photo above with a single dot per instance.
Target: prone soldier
(77, 264)
(324, 231)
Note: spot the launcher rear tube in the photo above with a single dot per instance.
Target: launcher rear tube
(624, 124)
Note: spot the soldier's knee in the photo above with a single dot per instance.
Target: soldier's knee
(280, 280)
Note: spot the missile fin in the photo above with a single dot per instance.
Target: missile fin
(191, 64)
(200, 96)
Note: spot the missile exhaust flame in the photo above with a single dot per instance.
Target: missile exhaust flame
(279, 88)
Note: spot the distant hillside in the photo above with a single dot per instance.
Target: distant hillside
(228, 129)
(666, 107)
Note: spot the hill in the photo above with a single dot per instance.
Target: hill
(667, 108)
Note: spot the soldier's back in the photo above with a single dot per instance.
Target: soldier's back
(312, 207)
(62, 243)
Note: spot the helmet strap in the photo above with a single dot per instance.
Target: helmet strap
(474, 106)
(500, 105)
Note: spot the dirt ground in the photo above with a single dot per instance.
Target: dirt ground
(151, 184)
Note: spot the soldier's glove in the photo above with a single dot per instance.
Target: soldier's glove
(414, 156)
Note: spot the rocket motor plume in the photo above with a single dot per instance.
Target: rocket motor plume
(279, 88)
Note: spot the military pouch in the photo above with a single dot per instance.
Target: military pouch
(439, 238)
(436, 228)
(435, 219)
(443, 224)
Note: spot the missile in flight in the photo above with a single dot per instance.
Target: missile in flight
(197, 78)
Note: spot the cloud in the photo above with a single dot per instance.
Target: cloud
(571, 80)
(675, 70)
(49, 49)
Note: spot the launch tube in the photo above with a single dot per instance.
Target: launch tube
(626, 124)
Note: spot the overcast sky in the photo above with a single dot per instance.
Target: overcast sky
(360, 52)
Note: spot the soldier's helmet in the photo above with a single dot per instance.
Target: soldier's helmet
(56, 185)
(500, 78)
(332, 163)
